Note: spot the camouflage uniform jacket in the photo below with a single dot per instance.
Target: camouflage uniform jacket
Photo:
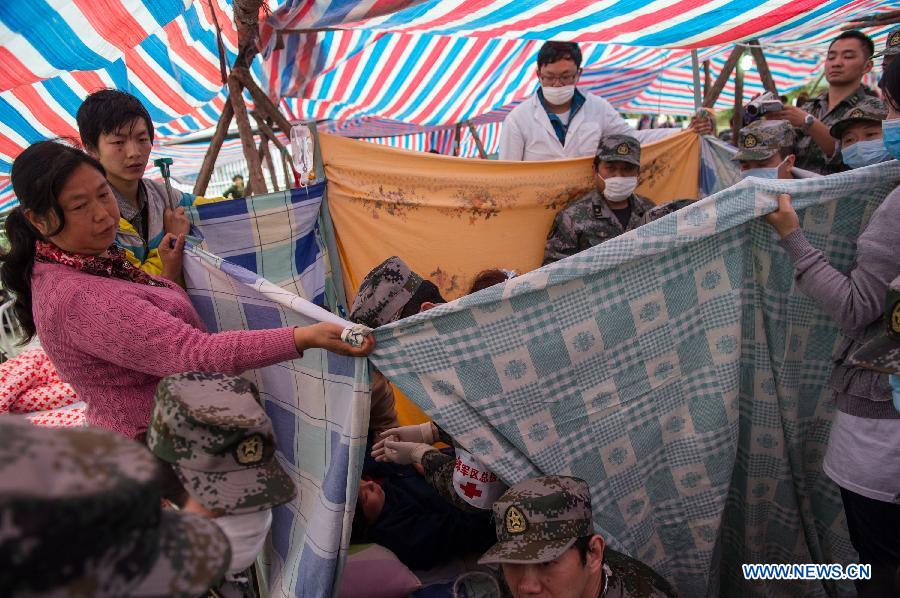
(809, 155)
(629, 578)
(589, 221)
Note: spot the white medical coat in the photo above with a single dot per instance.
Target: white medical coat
(527, 134)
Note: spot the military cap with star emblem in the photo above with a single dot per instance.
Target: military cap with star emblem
(219, 440)
(870, 109)
(619, 148)
(762, 139)
(539, 519)
(892, 43)
(882, 353)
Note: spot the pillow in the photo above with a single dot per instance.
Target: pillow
(374, 571)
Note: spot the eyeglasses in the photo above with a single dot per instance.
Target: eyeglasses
(551, 80)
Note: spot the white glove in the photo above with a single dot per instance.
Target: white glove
(417, 433)
(399, 452)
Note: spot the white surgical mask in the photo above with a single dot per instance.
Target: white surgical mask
(763, 173)
(619, 188)
(558, 95)
(246, 534)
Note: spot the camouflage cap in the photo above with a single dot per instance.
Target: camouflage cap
(383, 293)
(869, 109)
(81, 516)
(892, 42)
(619, 148)
(762, 139)
(882, 353)
(539, 519)
(220, 442)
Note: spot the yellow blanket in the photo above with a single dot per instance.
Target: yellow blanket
(449, 218)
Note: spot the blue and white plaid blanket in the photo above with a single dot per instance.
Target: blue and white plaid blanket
(677, 369)
(319, 404)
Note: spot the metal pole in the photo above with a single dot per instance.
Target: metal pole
(698, 97)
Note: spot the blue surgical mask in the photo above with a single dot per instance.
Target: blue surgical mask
(763, 173)
(865, 153)
(891, 128)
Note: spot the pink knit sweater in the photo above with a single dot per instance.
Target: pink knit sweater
(113, 341)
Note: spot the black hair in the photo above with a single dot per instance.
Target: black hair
(106, 111)
(890, 84)
(866, 41)
(582, 545)
(38, 175)
(784, 152)
(555, 51)
(427, 291)
(487, 278)
(236, 177)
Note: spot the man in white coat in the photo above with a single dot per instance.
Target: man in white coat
(559, 121)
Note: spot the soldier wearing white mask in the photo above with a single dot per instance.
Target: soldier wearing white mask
(560, 121)
(608, 211)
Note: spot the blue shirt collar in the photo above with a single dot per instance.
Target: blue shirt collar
(559, 127)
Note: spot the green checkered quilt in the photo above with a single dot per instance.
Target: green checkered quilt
(677, 369)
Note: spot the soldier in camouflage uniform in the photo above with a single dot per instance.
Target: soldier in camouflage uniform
(849, 58)
(891, 47)
(391, 290)
(219, 441)
(548, 519)
(764, 151)
(861, 127)
(80, 516)
(593, 219)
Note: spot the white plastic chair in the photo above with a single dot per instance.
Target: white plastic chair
(10, 331)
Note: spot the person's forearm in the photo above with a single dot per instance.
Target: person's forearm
(822, 136)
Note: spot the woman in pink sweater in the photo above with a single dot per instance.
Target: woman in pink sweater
(110, 329)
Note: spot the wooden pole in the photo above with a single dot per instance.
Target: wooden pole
(762, 66)
(266, 130)
(264, 104)
(713, 94)
(457, 138)
(738, 118)
(885, 18)
(286, 164)
(695, 69)
(212, 152)
(707, 78)
(251, 155)
(477, 138)
(267, 155)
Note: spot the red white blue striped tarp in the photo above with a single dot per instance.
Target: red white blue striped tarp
(174, 70)
(656, 23)
(431, 79)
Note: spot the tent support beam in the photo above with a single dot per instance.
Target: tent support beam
(215, 145)
(695, 68)
(477, 139)
(251, 155)
(713, 94)
(457, 138)
(264, 104)
(762, 66)
(738, 118)
(267, 156)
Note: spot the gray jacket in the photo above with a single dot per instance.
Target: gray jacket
(856, 302)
